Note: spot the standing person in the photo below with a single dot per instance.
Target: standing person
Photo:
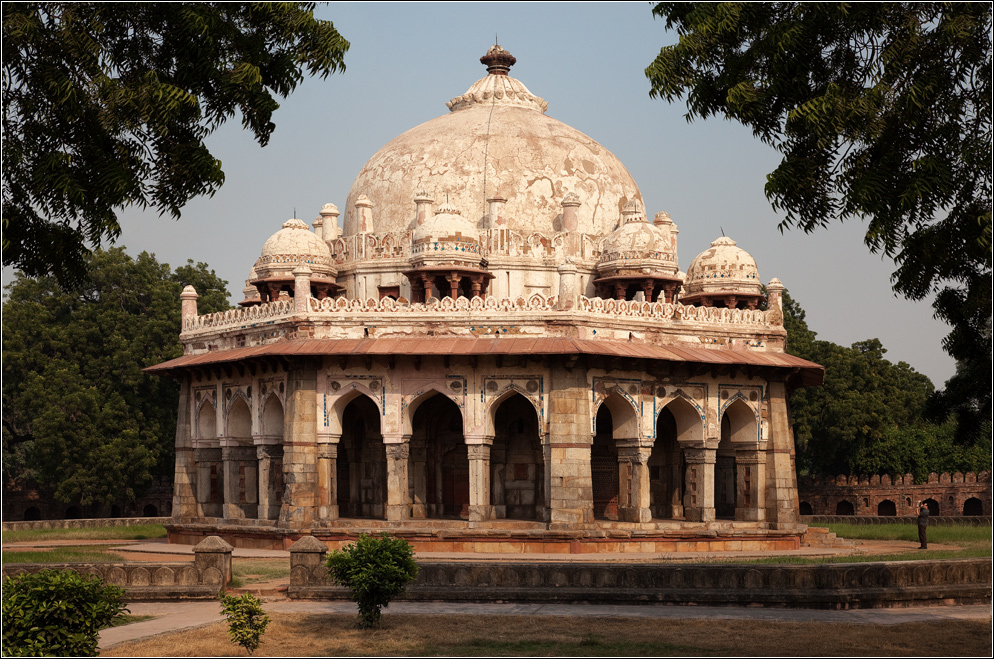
(922, 524)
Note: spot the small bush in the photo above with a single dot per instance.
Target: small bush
(247, 621)
(57, 613)
(375, 569)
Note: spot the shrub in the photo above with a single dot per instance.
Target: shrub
(375, 569)
(247, 621)
(57, 613)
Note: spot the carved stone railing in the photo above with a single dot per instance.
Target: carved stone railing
(853, 585)
(204, 578)
(594, 307)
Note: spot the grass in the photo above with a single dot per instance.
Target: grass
(247, 571)
(128, 619)
(310, 635)
(137, 532)
(66, 554)
(957, 535)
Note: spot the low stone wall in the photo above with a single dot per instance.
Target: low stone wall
(832, 586)
(82, 523)
(821, 520)
(205, 578)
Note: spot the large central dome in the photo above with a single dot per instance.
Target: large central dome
(496, 142)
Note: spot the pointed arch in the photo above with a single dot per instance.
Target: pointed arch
(624, 415)
(666, 470)
(414, 401)
(239, 419)
(689, 421)
(337, 402)
(362, 460)
(517, 470)
(272, 417)
(743, 422)
(438, 462)
(206, 421)
(501, 397)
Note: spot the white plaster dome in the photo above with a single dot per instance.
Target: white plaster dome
(447, 225)
(293, 245)
(496, 141)
(723, 269)
(638, 240)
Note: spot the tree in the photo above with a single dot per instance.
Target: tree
(79, 415)
(57, 613)
(882, 112)
(247, 621)
(376, 570)
(107, 105)
(869, 416)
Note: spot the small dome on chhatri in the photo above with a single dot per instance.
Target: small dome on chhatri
(296, 239)
(721, 271)
(447, 225)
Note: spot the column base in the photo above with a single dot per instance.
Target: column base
(750, 515)
(398, 513)
(479, 513)
(639, 515)
(328, 512)
(699, 514)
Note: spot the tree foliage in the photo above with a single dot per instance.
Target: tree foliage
(107, 105)
(56, 613)
(882, 112)
(247, 621)
(376, 570)
(79, 415)
(869, 417)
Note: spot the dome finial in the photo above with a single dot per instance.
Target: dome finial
(498, 61)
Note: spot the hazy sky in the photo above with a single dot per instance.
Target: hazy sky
(588, 62)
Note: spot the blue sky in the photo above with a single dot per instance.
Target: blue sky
(587, 61)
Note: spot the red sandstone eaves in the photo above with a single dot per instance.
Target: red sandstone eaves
(811, 374)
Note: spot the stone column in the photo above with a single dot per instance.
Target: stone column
(781, 482)
(188, 305)
(301, 288)
(270, 478)
(422, 204)
(479, 482)
(750, 485)
(568, 292)
(571, 493)
(185, 472)
(329, 225)
(698, 502)
(328, 479)
(300, 445)
(633, 475)
(398, 495)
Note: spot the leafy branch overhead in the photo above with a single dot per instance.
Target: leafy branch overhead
(882, 112)
(107, 105)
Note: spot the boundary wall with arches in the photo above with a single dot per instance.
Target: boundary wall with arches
(947, 495)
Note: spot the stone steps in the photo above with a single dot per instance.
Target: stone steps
(819, 536)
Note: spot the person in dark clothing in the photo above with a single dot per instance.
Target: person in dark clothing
(922, 524)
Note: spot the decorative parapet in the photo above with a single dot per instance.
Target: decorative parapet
(241, 317)
(594, 307)
(205, 578)
(447, 246)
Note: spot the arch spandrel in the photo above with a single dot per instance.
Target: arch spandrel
(689, 416)
(238, 417)
(410, 402)
(493, 402)
(336, 400)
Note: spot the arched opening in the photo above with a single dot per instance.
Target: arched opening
(73, 512)
(210, 475)
(115, 511)
(933, 506)
(616, 423)
(666, 469)
(439, 461)
(242, 494)
(805, 508)
(362, 462)
(271, 460)
(150, 511)
(32, 514)
(973, 507)
(604, 467)
(844, 508)
(886, 508)
(724, 473)
(516, 468)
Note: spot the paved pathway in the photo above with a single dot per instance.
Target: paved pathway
(174, 616)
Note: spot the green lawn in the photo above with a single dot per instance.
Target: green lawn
(137, 532)
(68, 554)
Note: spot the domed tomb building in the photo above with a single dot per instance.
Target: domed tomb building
(497, 348)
